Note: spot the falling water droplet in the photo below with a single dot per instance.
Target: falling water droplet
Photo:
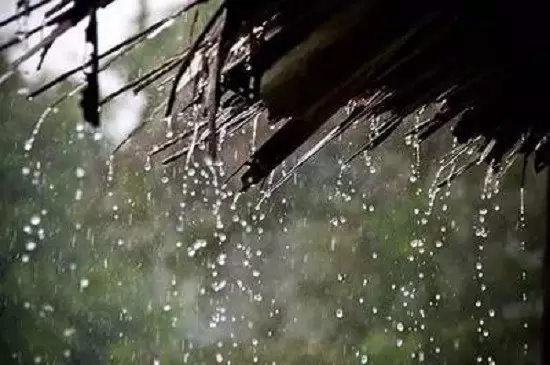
(35, 220)
(522, 206)
(28, 144)
(80, 172)
(84, 283)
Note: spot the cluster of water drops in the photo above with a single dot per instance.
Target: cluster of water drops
(34, 233)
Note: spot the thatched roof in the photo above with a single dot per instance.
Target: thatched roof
(303, 60)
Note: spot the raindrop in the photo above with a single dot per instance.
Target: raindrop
(481, 232)
(339, 313)
(84, 283)
(30, 246)
(400, 327)
(219, 286)
(147, 166)
(522, 206)
(35, 220)
(28, 144)
(80, 172)
(258, 297)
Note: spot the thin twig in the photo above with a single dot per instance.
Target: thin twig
(23, 12)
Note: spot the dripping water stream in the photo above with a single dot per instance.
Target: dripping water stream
(545, 343)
